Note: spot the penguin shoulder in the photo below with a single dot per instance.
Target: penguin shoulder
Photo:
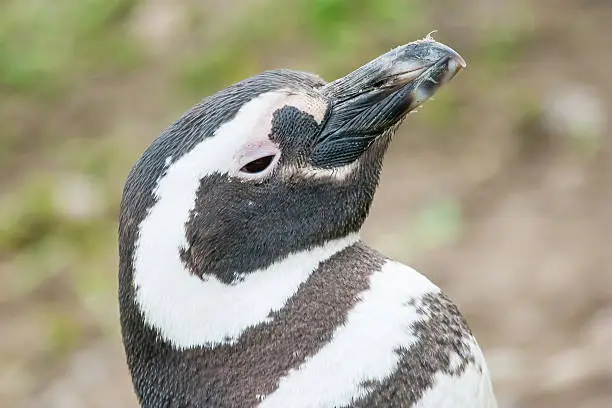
(440, 348)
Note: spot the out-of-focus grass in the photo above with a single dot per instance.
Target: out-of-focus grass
(439, 223)
(43, 240)
(27, 217)
(45, 46)
(336, 24)
(333, 34)
(504, 41)
(442, 112)
(50, 51)
(502, 47)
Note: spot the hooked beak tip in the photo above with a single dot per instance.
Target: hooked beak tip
(455, 64)
(460, 61)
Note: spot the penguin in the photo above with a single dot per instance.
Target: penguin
(243, 281)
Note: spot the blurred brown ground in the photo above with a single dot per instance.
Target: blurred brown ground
(502, 205)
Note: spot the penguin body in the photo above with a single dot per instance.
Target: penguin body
(242, 278)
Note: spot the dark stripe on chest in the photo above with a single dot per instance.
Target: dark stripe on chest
(235, 375)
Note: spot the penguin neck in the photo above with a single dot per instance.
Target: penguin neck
(305, 322)
(189, 311)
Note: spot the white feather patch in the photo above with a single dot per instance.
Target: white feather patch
(362, 349)
(472, 389)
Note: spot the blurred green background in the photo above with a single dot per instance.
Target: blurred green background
(500, 189)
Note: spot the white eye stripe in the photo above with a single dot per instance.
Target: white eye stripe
(186, 310)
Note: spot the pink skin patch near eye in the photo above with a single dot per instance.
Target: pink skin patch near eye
(257, 150)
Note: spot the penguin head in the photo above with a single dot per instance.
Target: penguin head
(277, 163)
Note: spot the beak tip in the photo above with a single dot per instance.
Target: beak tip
(456, 63)
(454, 55)
(461, 61)
(458, 59)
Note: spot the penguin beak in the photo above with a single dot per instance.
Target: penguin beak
(371, 100)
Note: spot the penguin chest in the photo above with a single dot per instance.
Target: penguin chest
(402, 343)
(360, 331)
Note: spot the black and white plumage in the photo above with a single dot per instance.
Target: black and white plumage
(242, 279)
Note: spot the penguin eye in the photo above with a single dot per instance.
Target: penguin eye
(257, 165)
